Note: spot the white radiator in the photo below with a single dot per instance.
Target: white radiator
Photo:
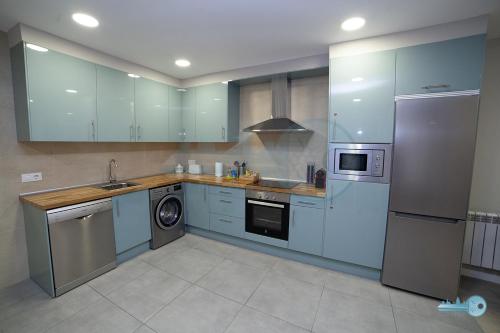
(482, 240)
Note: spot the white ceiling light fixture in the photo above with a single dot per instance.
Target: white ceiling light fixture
(135, 76)
(71, 91)
(36, 47)
(183, 63)
(85, 20)
(181, 90)
(225, 82)
(353, 23)
(356, 100)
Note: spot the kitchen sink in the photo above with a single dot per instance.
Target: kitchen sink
(115, 186)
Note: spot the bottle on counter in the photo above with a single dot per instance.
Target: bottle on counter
(310, 172)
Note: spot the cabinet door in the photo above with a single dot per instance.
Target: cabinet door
(131, 219)
(306, 229)
(355, 224)
(175, 127)
(196, 199)
(189, 114)
(151, 110)
(362, 98)
(115, 105)
(62, 97)
(211, 113)
(443, 66)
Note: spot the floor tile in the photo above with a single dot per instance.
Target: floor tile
(408, 322)
(233, 280)
(300, 271)
(252, 258)
(41, 312)
(147, 294)
(344, 313)
(182, 244)
(18, 292)
(196, 310)
(252, 321)
(427, 307)
(103, 316)
(286, 298)
(120, 276)
(367, 289)
(144, 329)
(218, 248)
(189, 265)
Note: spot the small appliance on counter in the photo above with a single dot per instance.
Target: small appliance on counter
(320, 178)
(310, 172)
(193, 168)
(179, 169)
(219, 169)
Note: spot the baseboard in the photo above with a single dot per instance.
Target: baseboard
(480, 274)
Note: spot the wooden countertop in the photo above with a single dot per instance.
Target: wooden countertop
(72, 196)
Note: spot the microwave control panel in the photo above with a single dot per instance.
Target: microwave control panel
(377, 163)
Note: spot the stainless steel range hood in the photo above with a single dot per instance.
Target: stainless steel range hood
(281, 109)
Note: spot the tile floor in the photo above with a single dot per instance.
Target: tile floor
(199, 285)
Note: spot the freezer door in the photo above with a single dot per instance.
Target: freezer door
(423, 254)
(433, 156)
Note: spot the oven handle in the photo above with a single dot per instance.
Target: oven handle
(268, 204)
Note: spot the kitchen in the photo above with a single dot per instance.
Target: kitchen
(222, 260)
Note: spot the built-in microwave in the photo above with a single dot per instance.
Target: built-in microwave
(361, 162)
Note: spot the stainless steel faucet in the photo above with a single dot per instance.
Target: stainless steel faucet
(112, 171)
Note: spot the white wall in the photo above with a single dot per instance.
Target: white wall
(485, 193)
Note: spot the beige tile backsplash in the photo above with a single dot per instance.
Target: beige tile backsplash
(67, 164)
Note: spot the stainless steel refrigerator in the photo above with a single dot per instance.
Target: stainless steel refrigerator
(432, 164)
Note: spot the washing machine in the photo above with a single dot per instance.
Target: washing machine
(167, 214)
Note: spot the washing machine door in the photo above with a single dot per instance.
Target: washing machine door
(169, 212)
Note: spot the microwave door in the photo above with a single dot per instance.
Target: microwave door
(353, 162)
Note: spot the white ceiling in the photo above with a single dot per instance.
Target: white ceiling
(218, 35)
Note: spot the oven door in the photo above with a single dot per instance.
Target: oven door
(356, 162)
(267, 218)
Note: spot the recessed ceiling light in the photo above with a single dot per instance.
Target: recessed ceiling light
(225, 82)
(71, 91)
(353, 23)
(356, 100)
(85, 20)
(36, 47)
(357, 79)
(135, 76)
(181, 90)
(183, 63)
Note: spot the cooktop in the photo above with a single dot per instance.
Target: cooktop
(286, 184)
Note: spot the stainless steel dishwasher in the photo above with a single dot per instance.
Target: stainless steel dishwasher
(82, 243)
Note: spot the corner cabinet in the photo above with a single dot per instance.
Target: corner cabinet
(197, 208)
(451, 65)
(362, 98)
(355, 223)
(55, 96)
(131, 219)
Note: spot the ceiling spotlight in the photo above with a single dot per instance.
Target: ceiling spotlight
(135, 76)
(85, 20)
(353, 23)
(183, 63)
(225, 82)
(36, 47)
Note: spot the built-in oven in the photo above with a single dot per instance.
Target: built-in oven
(267, 213)
(359, 161)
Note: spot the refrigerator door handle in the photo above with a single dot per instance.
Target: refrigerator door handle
(428, 218)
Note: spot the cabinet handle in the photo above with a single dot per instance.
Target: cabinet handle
(226, 201)
(293, 218)
(223, 133)
(131, 132)
(226, 221)
(139, 132)
(224, 192)
(92, 123)
(331, 197)
(205, 194)
(436, 86)
(334, 129)
(306, 203)
(118, 208)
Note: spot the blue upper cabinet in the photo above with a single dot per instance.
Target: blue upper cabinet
(362, 98)
(131, 220)
(355, 223)
(55, 95)
(115, 105)
(211, 112)
(451, 65)
(151, 110)
(175, 128)
(188, 99)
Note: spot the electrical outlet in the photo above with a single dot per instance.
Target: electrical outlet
(31, 177)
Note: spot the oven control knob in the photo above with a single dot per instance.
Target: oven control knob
(378, 158)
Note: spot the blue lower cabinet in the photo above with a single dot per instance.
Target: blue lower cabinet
(355, 223)
(228, 225)
(227, 205)
(197, 209)
(131, 220)
(306, 229)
